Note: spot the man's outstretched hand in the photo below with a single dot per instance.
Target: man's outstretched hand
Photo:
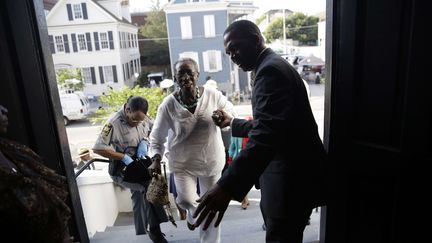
(215, 201)
(221, 118)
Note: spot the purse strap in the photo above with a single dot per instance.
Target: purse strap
(164, 170)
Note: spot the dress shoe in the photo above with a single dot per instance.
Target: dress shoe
(157, 237)
(190, 226)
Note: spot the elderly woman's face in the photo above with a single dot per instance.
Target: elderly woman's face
(3, 119)
(186, 76)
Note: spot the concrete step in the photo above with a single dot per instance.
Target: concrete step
(239, 226)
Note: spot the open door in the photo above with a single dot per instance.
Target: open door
(378, 117)
(29, 91)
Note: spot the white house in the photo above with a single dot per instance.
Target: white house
(97, 37)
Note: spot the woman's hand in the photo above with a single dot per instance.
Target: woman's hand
(155, 167)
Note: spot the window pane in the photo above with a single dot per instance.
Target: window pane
(108, 74)
(193, 55)
(104, 40)
(77, 11)
(186, 28)
(209, 26)
(212, 60)
(59, 43)
(82, 42)
(86, 75)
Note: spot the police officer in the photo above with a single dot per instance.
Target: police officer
(124, 136)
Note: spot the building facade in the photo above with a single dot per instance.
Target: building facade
(98, 38)
(195, 30)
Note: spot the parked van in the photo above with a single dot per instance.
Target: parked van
(155, 79)
(75, 106)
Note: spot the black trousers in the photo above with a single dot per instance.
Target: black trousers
(287, 229)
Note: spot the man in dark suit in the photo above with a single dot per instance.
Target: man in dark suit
(284, 149)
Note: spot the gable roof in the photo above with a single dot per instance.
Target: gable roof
(98, 5)
(123, 20)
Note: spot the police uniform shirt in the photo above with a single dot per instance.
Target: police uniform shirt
(119, 136)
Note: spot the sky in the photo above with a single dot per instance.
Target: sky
(308, 7)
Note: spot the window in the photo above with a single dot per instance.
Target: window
(86, 75)
(120, 39)
(108, 74)
(82, 45)
(186, 27)
(209, 26)
(59, 44)
(131, 69)
(103, 36)
(193, 55)
(212, 61)
(77, 11)
(136, 40)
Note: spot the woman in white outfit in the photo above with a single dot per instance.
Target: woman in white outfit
(196, 149)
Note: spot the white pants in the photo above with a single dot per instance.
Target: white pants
(186, 186)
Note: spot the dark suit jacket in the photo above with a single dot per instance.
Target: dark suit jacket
(284, 146)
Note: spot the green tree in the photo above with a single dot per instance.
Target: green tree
(155, 50)
(260, 19)
(67, 78)
(298, 26)
(142, 79)
(115, 99)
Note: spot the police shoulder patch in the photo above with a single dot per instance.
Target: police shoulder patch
(106, 130)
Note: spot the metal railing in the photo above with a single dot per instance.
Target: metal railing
(88, 163)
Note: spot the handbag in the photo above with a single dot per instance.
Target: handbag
(157, 193)
(135, 172)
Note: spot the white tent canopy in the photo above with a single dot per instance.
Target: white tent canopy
(166, 83)
(311, 61)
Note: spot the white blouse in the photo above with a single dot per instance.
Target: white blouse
(195, 144)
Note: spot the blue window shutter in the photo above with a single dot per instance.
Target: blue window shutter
(93, 75)
(114, 69)
(84, 9)
(51, 41)
(111, 41)
(88, 39)
(69, 11)
(96, 40)
(74, 43)
(66, 43)
(101, 75)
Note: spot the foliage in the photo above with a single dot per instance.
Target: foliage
(298, 27)
(156, 51)
(115, 99)
(142, 79)
(260, 19)
(155, 23)
(62, 75)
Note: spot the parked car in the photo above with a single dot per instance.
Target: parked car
(75, 106)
